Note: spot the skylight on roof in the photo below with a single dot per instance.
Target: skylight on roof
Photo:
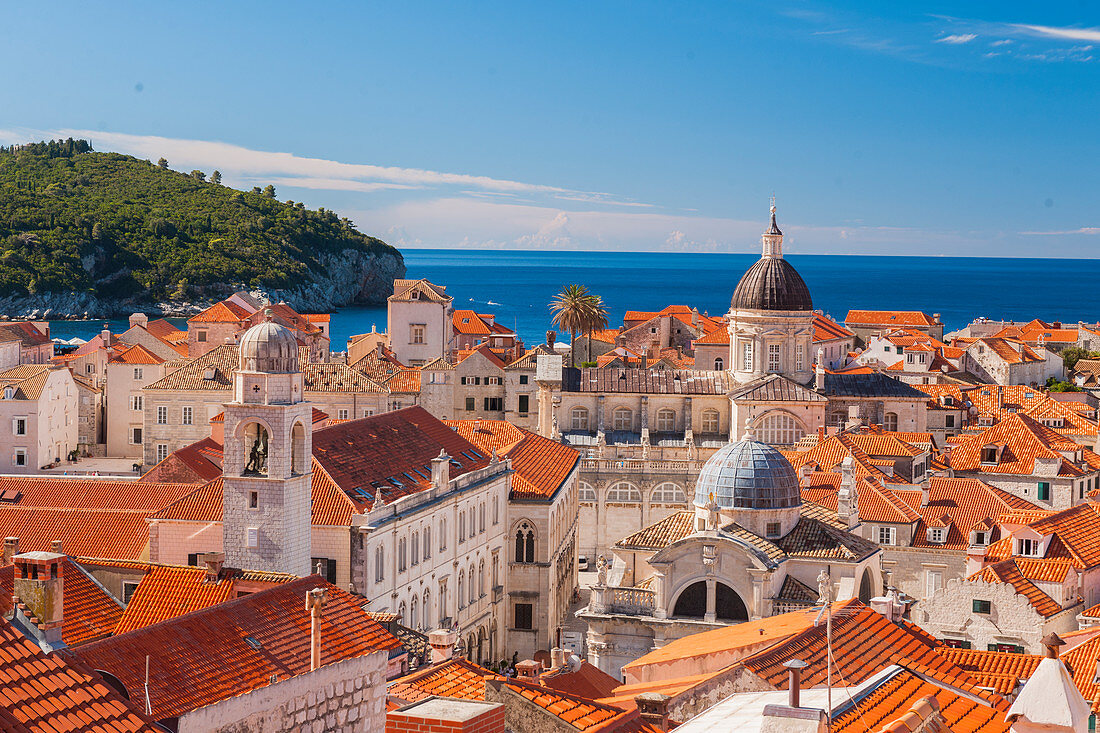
(252, 642)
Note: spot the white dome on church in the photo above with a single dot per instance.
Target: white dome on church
(748, 474)
(269, 347)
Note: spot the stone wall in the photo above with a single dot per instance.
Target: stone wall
(349, 695)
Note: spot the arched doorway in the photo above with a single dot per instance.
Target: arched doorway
(866, 589)
(728, 605)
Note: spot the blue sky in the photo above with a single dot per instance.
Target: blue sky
(885, 128)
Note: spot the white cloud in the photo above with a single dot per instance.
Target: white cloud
(1072, 34)
(1002, 42)
(957, 38)
(1082, 230)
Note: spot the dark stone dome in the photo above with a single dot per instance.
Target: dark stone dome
(772, 284)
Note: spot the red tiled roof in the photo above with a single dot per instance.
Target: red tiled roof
(579, 712)
(541, 465)
(88, 611)
(888, 318)
(168, 592)
(1006, 571)
(317, 317)
(224, 312)
(93, 532)
(455, 677)
(587, 681)
(204, 657)
(77, 493)
(1076, 533)
(371, 452)
(405, 381)
(1083, 660)
(826, 329)
(469, 322)
(1001, 663)
(46, 692)
(718, 336)
(192, 464)
(137, 354)
(26, 332)
(1024, 440)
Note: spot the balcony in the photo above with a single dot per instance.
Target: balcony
(626, 601)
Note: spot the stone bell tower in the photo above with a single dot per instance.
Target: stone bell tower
(266, 468)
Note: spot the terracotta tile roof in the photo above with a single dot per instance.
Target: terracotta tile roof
(607, 335)
(774, 388)
(718, 337)
(470, 323)
(331, 378)
(402, 288)
(579, 712)
(379, 364)
(455, 677)
(26, 380)
(1083, 660)
(815, 539)
(136, 354)
(406, 381)
(212, 371)
(206, 656)
(644, 381)
(877, 444)
(192, 464)
(165, 331)
(168, 592)
(826, 329)
(102, 532)
(317, 317)
(887, 318)
(587, 681)
(795, 590)
(661, 533)
(967, 503)
(45, 692)
(1006, 664)
(1006, 571)
(88, 611)
(389, 455)
(541, 465)
(1024, 440)
(901, 702)
(224, 312)
(529, 359)
(830, 453)
(1076, 532)
(864, 643)
(28, 333)
(78, 493)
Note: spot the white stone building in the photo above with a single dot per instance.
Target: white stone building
(38, 417)
(419, 317)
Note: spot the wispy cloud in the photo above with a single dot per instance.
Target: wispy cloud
(957, 39)
(1064, 232)
(1002, 42)
(1072, 34)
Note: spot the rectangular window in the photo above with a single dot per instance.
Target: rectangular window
(523, 616)
(949, 421)
(470, 404)
(989, 455)
(979, 606)
(19, 426)
(416, 334)
(162, 415)
(772, 529)
(494, 404)
(201, 336)
(523, 379)
(933, 581)
(135, 436)
(341, 414)
(886, 535)
(89, 368)
(188, 416)
(799, 359)
(162, 452)
(524, 404)
(1027, 547)
(773, 357)
(253, 499)
(128, 588)
(20, 457)
(1044, 491)
(137, 402)
(324, 567)
(139, 373)
(746, 356)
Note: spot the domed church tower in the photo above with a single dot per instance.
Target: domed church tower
(267, 467)
(771, 317)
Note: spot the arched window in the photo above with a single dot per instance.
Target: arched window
(668, 493)
(442, 602)
(255, 449)
(401, 554)
(379, 564)
(719, 365)
(426, 612)
(481, 579)
(414, 613)
(299, 463)
(402, 611)
(585, 492)
(779, 429)
(890, 421)
(471, 585)
(666, 421)
(578, 418)
(708, 422)
(623, 418)
(496, 571)
(525, 543)
(622, 491)
(462, 526)
(461, 585)
(442, 534)
(481, 518)
(427, 542)
(415, 554)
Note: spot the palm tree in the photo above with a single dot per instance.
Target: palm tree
(572, 309)
(597, 320)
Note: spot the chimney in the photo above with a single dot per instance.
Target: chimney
(853, 418)
(935, 318)
(139, 319)
(528, 669)
(315, 603)
(441, 470)
(214, 562)
(40, 590)
(792, 718)
(11, 549)
(819, 371)
(105, 334)
(794, 680)
(847, 500)
(55, 547)
(442, 642)
(1000, 396)
(551, 337)
(557, 658)
(653, 709)
(925, 491)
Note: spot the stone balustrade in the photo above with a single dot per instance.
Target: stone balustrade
(631, 465)
(628, 601)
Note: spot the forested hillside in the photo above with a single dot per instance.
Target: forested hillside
(116, 227)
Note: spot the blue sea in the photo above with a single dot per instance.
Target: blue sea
(517, 286)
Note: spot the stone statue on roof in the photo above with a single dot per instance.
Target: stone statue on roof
(601, 570)
(824, 587)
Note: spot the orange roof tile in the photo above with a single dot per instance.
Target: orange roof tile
(581, 713)
(225, 311)
(887, 318)
(206, 656)
(455, 677)
(317, 317)
(1076, 534)
(826, 329)
(79, 493)
(718, 336)
(405, 381)
(541, 465)
(661, 533)
(1002, 663)
(1006, 571)
(587, 680)
(88, 611)
(1083, 660)
(46, 692)
(96, 532)
(167, 592)
(136, 354)
(1025, 440)
(26, 380)
(192, 464)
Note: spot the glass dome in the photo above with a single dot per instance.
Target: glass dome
(748, 475)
